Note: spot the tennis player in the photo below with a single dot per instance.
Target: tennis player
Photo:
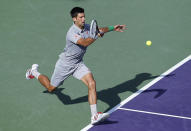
(70, 61)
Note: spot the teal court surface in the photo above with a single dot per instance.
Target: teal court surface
(34, 31)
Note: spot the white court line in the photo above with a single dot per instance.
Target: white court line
(143, 88)
(154, 113)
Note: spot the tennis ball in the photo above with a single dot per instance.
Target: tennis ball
(148, 43)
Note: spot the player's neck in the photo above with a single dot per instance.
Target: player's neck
(79, 26)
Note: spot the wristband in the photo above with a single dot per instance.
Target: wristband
(110, 28)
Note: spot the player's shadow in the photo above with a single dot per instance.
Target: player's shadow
(111, 95)
(106, 122)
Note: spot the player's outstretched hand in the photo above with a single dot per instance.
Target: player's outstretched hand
(120, 28)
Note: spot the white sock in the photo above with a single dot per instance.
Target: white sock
(93, 109)
(36, 74)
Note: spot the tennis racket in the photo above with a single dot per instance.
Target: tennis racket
(94, 30)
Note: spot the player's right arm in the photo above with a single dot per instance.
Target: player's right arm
(85, 42)
(77, 39)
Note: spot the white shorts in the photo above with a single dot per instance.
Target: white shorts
(63, 71)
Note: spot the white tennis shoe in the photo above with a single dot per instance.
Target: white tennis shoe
(29, 71)
(99, 117)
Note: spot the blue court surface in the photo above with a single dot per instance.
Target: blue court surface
(162, 105)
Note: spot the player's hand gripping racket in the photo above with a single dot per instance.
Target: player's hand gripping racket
(94, 30)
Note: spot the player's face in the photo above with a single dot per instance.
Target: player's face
(79, 20)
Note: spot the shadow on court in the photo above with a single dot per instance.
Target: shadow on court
(111, 95)
(106, 122)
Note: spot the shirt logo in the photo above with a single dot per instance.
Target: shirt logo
(76, 36)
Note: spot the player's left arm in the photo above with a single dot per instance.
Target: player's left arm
(118, 28)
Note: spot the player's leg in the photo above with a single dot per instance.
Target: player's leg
(44, 80)
(89, 81)
(83, 73)
(61, 72)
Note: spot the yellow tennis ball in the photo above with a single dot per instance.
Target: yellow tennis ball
(148, 43)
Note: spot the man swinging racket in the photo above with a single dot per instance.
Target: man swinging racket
(70, 62)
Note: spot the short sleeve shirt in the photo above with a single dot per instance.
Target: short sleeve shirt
(74, 52)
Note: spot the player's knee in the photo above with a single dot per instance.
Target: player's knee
(92, 84)
(51, 88)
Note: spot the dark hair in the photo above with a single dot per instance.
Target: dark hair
(74, 12)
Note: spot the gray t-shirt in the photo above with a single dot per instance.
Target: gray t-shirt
(73, 53)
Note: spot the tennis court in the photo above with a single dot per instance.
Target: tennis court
(123, 65)
(163, 104)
